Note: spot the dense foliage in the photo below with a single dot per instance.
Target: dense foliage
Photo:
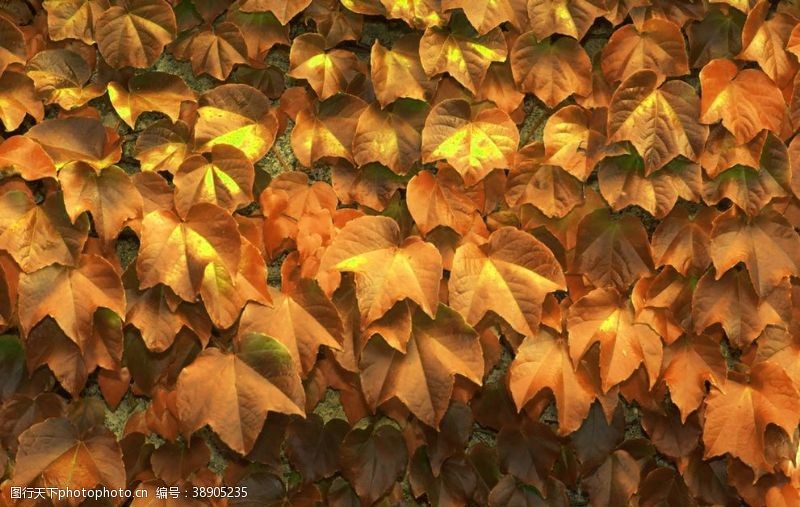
(382, 252)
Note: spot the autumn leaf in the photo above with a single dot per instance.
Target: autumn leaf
(328, 72)
(226, 180)
(18, 98)
(528, 452)
(737, 417)
(77, 140)
(22, 156)
(440, 200)
(746, 101)
(611, 251)
(767, 244)
(732, 302)
(238, 115)
(682, 240)
(717, 35)
(162, 146)
(550, 70)
(373, 459)
(543, 363)
(26, 227)
(134, 34)
(603, 317)
(465, 58)
(764, 41)
(66, 457)
(660, 121)
(689, 362)
(566, 17)
(387, 268)
(419, 14)
(329, 131)
(422, 378)
(657, 45)
(214, 50)
(303, 321)
(63, 77)
(176, 252)
(73, 19)
(549, 188)
(71, 295)
(474, 141)
(510, 275)
(151, 91)
(257, 378)
(391, 136)
(313, 445)
(261, 31)
(283, 10)
(110, 196)
(486, 16)
(623, 183)
(12, 47)
(398, 72)
(575, 139)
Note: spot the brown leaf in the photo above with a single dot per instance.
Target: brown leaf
(767, 244)
(150, 91)
(575, 139)
(18, 98)
(225, 180)
(485, 16)
(473, 140)
(440, 200)
(390, 136)
(282, 9)
(233, 392)
(528, 452)
(39, 235)
(510, 275)
(732, 302)
(718, 35)
(312, 446)
(22, 156)
(573, 18)
(603, 316)
(373, 459)
(213, 50)
(422, 378)
(682, 240)
(543, 363)
(238, 115)
(302, 321)
(746, 101)
(465, 58)
(64, 457)
(109, 195)
(736, 419)
(656, 45)
(134, 34)
(670, 113)
(328, 131)
(764, 41)
(328, 72)
(550, 70)
(178, 252)
(77, 139)
(63, 77)
(398, 72)
(616, 481)
(611, 251)
(387, 268)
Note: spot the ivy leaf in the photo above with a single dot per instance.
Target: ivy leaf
(603, 316)
(226, 180)
(746, 101)
(77, 139)
(328, 131)
(214, 50)
(73, 19)
(552, 71)
(440, 200)
(398, 72)
(176, 252)
(660, 121)
(390, 136)
(572, 18)
(373, 459)
(283, 10)
(736, 419)
(150, 91)
(510, 275)
(238, 115)
(328, 72)
(656, 45)
(134, 34)
(233, 392)
(764, 41)
(387, 268)
(70, 295)
(18, 98)
(422, 378)
(543, 363)
(611, 252)
(465, 58)
(69, 457)
(485, 16)
(473, 140)
(109, 195)
(767, 244)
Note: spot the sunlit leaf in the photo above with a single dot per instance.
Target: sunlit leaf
(151, 91)
(133, 34)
